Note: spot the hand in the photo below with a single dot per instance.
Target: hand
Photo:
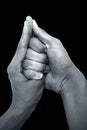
(34, 64)
(59, 61)
(26, 93)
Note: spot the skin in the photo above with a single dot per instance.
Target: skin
(26, 93)
(26, 74)
(60, 63)
(35, 59)
(65, 78)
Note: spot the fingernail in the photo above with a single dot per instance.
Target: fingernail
(38, 76)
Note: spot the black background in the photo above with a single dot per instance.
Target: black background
(64, 20)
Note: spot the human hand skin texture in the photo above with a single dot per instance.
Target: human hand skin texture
(35, 62)
(26, 74)
(25, 93)
(60, 63)
(64, 78)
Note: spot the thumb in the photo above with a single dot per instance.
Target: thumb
(23, 43)
(42, 35)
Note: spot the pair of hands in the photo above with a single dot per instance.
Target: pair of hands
(34, 57)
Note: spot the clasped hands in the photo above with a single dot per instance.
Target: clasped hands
(40, 61)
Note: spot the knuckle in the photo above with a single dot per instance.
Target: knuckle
(10, 70)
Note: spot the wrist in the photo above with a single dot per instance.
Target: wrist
(25, 105)
(20, 111)
(74, 82)
(22, 107)
(19, 105)
(16, 110)
(13, 118)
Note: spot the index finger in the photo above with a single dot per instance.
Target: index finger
(26, 33)
(23, 43)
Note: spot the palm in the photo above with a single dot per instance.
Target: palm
(60, 64)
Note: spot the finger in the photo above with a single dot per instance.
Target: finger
(33, 65)
(37, 45)
(42, 35)
(33, 55)
(23, 43)
(32, 74)
(27, 32)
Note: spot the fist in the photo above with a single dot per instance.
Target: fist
(34, 64)
(60, 63)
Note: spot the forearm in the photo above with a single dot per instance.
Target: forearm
(74, 96)
(14, 118)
